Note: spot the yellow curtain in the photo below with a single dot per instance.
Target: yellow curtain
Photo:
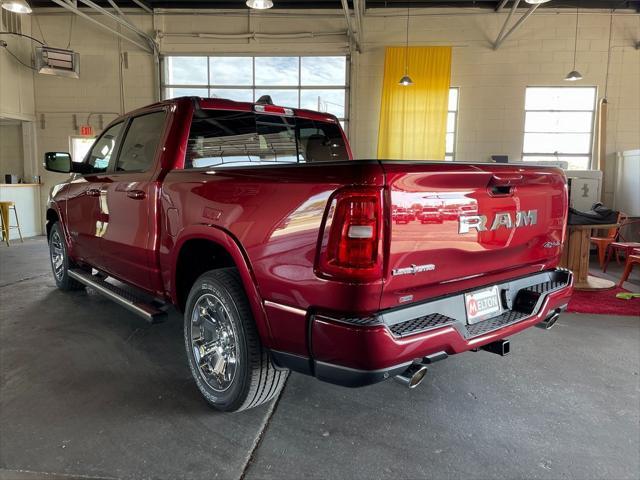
(413, 119)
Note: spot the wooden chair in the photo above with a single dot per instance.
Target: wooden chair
(602, 243)
(632, 259)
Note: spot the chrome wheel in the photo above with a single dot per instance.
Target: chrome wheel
(57, 255)
(214, 342)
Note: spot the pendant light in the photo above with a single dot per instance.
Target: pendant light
(406, 81)
(16, 6)
(259, 4)
(574, 75)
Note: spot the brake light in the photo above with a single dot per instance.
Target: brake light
(273, 110)
(351, 245)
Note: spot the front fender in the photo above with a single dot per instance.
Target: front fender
(227, 241)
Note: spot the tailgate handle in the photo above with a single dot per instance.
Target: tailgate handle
(502, 184)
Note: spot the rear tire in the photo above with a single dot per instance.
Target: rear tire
(231, 368)
(60, 260)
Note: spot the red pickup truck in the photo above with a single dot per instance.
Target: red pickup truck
(280, 249)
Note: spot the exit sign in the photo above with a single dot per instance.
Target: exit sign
(86, 130)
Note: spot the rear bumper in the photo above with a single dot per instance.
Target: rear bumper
(364, 350)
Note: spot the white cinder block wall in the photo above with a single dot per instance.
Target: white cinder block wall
(16, 81)
(492, 83)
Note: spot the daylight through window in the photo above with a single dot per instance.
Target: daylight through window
(558, 125)
(452, 124)
(314, 82)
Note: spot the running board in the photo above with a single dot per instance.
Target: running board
(127, 298)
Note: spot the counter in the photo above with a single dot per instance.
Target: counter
(26, 196)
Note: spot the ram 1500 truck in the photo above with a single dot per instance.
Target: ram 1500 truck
(280, 249)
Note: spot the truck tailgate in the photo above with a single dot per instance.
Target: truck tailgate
(492, 221)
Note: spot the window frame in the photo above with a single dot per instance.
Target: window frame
(344, 121)
(558, 155)
(456, 113)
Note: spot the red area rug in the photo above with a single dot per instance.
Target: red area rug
(603, 302)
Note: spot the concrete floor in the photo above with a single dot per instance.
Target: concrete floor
(88, 390)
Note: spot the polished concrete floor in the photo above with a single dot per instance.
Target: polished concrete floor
(88, 390)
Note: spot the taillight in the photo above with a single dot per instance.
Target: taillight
(351, 245)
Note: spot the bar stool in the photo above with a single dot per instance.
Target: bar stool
(5, 223)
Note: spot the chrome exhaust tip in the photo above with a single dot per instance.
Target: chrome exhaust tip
(550, 321)
(412, 376)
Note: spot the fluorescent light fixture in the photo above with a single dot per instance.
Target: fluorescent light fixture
(259, 4)
(573, 76)
(405, 81)
(536, 2)
(16, 6)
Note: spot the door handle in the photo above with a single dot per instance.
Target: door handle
(93, 192)
(136, 194)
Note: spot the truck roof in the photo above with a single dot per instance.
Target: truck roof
(226, 104)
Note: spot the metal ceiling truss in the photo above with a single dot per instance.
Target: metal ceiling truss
(141, 39)
(504, 33)
(354, 33)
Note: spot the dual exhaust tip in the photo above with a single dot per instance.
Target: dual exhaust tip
(412, 376)
(550, 321)
(415, 373)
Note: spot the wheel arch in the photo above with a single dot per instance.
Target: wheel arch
(52, 216)
(202, 248)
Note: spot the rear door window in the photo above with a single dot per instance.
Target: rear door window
(141, 142)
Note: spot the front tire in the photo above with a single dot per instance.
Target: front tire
(60, 260)
(231, 368)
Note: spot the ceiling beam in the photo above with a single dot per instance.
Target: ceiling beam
(503, 36)
(72, 8)
(142, 6)
(358, 11)
(125, 23)
(501, 6)
(514, 7)
(353, 35)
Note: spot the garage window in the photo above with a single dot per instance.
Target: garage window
(313, 82)
(452, 124)
(558, 125)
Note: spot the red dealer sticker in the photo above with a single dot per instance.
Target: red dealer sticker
(482, 304)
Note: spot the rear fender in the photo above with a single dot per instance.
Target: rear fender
(227, 241)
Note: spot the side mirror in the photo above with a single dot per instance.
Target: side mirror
(57, 162)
